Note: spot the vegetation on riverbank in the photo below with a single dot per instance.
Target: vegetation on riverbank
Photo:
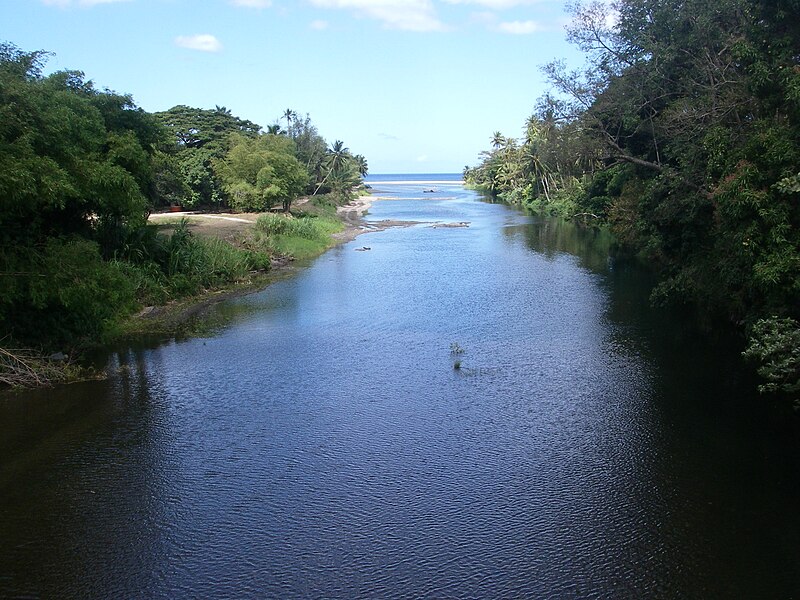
(80, 171)
(682, 135)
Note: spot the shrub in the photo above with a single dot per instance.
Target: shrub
(775, 346)
(62, 291)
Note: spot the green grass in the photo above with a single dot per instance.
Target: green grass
(167, 267)
(301, 237)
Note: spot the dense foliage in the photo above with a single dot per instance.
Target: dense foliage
(260, 172)
(80, 171)
(683, 135)
(227, 162)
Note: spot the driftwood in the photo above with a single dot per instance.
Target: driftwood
(25, 368)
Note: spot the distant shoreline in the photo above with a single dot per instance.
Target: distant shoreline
(417, 182)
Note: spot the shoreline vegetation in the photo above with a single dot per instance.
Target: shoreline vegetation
(26, 367)
(84, 176)
(680, 135)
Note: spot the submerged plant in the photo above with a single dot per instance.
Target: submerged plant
(455, 351)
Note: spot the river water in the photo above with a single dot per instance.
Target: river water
(317, 441)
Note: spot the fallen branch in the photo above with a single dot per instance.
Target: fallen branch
(25, 368)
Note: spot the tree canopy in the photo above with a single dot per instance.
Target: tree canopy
(72, 159)
(261, 172)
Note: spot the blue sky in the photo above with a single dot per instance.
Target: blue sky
(416, 86)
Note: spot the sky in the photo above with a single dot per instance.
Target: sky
(416, 86)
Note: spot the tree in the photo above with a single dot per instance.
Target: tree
(72, 159)
(290, 116)
(201, 137)
(700, 100)
(258, 173)
(361, 165)
(76, 175)
(336, 159)
(498, 140)
(311, 149)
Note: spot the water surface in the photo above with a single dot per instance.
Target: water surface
(320, 443)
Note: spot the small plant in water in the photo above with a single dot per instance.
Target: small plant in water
(456, 350)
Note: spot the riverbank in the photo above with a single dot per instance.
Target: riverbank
(172, 317)
(235, 228)
(236, 232)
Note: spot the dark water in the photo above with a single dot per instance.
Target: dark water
(320, 444)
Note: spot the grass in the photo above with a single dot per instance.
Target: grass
(301, 237)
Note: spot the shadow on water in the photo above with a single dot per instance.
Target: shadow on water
(81, 482)
(720, 451)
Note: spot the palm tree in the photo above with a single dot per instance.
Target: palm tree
(274, 129)
(290, 116)
(361, 164)
(338, 156)
(498, 140)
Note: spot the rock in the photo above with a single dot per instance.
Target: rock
(146, 311)
(57, 357)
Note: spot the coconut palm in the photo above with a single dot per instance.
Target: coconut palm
(498, 140)
(337, 157)
(290, 116)
(361, 164)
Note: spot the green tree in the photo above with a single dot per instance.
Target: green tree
(258, 173)
(76, 175)
(72, 159)
(200, 138)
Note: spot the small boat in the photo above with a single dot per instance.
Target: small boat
(430, 191)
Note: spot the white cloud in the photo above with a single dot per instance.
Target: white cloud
(85, 3)
(252, 3)
(409, 15)
(493, 4)
(520, 27)
(204, 42)
(319, 25)
(422, 158)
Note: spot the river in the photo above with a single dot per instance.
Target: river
(317, 442)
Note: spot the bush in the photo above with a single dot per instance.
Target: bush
(775, 346)
(60, 292)
(163, 267)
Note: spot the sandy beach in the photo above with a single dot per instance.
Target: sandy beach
(230, 226)
(352, 215)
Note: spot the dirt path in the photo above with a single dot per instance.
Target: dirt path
(227, 226)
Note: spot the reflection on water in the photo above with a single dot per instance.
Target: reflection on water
(320, 444)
